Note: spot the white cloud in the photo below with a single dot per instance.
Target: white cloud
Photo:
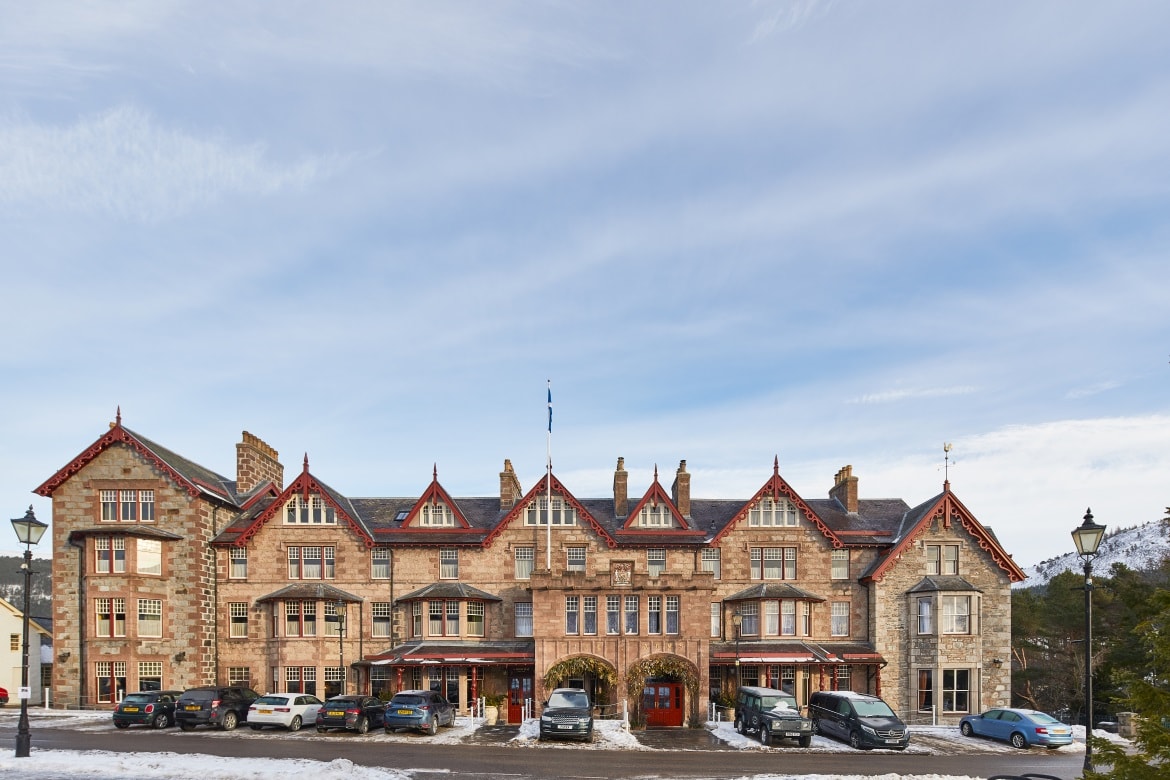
(907, 394)
(122, 163)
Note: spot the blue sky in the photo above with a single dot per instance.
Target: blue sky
(370, 232)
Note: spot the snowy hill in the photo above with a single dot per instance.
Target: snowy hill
(1141, 547)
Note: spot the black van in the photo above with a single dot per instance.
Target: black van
(862, 720)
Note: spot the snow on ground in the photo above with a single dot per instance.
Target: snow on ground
(608, 735)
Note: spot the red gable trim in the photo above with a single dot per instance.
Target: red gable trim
(436, 493)
(305, 484)
(774, 488)
(656, 494)
(119, 435)
(946, 510)
(538, 490)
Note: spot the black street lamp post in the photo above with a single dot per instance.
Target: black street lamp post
(737, 620)
(340, 607)
(29, 531)
(1087, 537)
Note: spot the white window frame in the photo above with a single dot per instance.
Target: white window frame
(839, 621)
(150, 618)
(769, 513)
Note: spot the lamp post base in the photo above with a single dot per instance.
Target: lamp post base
(23, 737)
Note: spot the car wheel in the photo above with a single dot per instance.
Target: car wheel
(120, 725)
(806, 741)
(186, 726)
(765, 734)
(739, 724)
(363, 725)
(295, 723)
(432, 726)
(230, 721)
(1018, 740)
(161, 721)
(855, 740)
(321, 729)
(255, 726)
(965, 729)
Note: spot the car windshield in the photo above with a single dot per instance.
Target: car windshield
(408, 699)
(272, 700)
(339, 702)
(570, 699)
(201, 695)
(1042, 717)
(778, 703)
(136, 698)
(872, 709)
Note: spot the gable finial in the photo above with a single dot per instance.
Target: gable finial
(946, 466)
(435, 473)
(118, 417)
(655, 472)
(306, 468)
(776, 466)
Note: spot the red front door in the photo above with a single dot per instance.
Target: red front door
(662, 703)
(519, 691)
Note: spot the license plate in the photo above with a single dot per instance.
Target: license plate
(792, 733)
(406, 712)
(264, 712)
(564, 726)
(192, 708)
(893, 741)
(335, 714)
(129, 709)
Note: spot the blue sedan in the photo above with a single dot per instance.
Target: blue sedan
(1021, 728)
(423, 710)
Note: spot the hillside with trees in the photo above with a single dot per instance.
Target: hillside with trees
(12, 584)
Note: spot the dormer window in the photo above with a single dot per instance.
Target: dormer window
(315, 511)
(436, 515)
(538, 514)
(772, 513)
(655, 516)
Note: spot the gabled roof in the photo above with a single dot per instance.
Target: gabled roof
(945, 509)
(775, 488)
(250, 522)
(541, 488)
(436, 494)
(656, 495)
(312, 592)
(948, 582)
(448, 590)
(774, 590)
(195, 479)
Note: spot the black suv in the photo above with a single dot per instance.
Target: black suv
(771, 713)
(862, 720)
(567, 713)
(223, 706)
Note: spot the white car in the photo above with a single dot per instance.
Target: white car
(288, 710)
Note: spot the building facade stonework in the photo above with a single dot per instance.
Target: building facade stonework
(167, 574)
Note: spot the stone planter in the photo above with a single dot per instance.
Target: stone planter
(491, 714)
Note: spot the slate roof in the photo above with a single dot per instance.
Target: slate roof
(949, 582)
(310, 591)
(773, 590)
(793, 651)
(427, 652)
(448, 590)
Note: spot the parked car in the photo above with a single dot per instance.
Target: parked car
(424, 710)
(352, 713)
(1019, 727)
(287, 710)
(567, 713)
(222, 706)
(862, 720)
(148, 708)
(3, 696)
(768, 713)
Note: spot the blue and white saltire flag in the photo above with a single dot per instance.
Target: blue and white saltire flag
(550, 406)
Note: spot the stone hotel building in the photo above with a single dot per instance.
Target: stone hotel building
(167, 574)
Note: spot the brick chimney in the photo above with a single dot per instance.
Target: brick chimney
(510, 491)
(680, 491)
(257, 463)
(621, 498)
(845, 489)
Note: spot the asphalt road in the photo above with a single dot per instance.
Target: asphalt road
(545, 762)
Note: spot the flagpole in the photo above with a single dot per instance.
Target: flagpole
(548, 486)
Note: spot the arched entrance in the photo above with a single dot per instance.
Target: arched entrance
(594, 674)
(664, 690)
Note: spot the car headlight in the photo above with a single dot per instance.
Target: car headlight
(546, 718)
(868, 730)
(582, 721)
